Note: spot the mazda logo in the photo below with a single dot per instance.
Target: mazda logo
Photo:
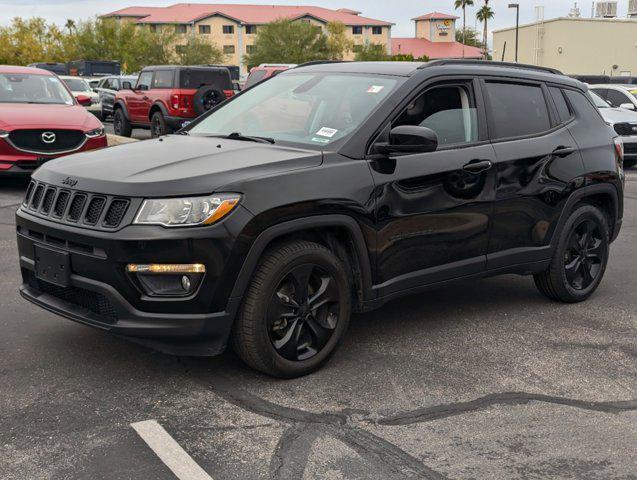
(48, 137)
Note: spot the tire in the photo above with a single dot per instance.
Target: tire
(121, 125)
(206, 98)
(158, 126)
(566, 279)
(268, 316)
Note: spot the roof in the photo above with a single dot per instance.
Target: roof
(402, 69)
(11, 69)
(244, 14)
(419, 47)
(570, 19)
(436, 16)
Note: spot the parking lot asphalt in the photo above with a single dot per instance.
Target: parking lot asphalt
(485, 379)
(138, 133)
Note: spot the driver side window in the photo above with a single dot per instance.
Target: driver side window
(449, 110)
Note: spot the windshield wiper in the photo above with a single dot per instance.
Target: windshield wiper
(246, 138)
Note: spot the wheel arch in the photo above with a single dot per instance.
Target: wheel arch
(120, 105)
(157, 107)
(340, 233)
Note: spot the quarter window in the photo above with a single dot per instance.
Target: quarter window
(563, 109)
(448, 110)
(517, 110)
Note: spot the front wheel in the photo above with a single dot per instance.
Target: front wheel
(295, 311)
(580, 259)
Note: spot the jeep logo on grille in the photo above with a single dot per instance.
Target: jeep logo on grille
(48, 137)
(71, 182)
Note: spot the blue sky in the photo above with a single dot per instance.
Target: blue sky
(397, 11)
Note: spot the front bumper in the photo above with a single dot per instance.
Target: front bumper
(101, 294)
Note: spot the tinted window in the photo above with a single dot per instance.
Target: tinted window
(163, 79)
(145, 79)
(583, 106)
(220, 78)
(563, 110)
(204, 29)
(517, 110)
(616, 98)
(357, 30)
(255, 77)
(447, 110)
(228, 29)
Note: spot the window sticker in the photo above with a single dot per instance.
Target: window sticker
(321, 140)
(375, 89)
(327, 132)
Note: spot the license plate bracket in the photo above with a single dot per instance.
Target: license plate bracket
(52, 266)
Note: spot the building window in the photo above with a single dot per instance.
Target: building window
(377, 30)
(181, 29)
(228, 49)
(204, 29)
(357, 30)
(228, 29)
(155, 28)
(249, 48)
(251, 29)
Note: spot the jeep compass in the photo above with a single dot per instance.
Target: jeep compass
(327, 189)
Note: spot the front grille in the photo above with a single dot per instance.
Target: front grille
(83, 208)
(630, 148)
(79, 297)
(47, 141)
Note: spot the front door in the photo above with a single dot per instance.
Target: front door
(138, 100)
(433, 209)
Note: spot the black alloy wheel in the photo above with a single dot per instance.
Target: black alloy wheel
(303, 312)
(585, 255)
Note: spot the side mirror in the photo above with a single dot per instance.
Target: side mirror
(127, 86)
(83, 100)
(407, 139)
(627, 106)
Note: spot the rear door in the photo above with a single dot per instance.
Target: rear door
(536, 162)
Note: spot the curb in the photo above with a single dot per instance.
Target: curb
(117, 140)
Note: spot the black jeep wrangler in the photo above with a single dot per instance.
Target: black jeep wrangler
(327, 189)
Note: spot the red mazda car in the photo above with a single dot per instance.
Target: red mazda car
(40, 120)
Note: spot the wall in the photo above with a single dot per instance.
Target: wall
(434, 30)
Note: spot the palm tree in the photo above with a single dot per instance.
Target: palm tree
(70, 25)
(463, 4)
(483, 15)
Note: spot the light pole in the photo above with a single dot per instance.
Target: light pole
(517, 26)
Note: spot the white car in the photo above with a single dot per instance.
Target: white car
(624, 122)
(618, 96)
(80, 86)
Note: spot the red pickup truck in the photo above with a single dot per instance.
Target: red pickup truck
(166, 98)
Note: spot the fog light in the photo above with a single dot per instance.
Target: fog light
(167, 280)
(185, 283)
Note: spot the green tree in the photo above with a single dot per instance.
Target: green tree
(197, 52)
(463, 4)
(472, 38)
(338, 43)
(285, 41)
(484, 15)
(70, 26)
(408, 57)
(371, 52)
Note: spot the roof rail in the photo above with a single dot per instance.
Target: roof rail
(319, 62)
(490, 63)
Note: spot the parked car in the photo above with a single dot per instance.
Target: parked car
(79, 86)
(618, 96)
(265, 71)
(57, 68)
(41, 120)
(93, 68)
(166, 98)
(107, 89)
(327, 189)
(624, 122)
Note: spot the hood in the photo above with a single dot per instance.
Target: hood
(618, 115)
(20, 115)
(175, 165)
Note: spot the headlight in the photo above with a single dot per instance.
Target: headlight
(186, 212)
(4, 134)
(97, 132)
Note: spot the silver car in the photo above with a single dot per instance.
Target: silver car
(624, 122)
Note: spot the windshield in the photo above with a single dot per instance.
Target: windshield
(597, 100)
(313, 109)
(77, 84)
(29, 88)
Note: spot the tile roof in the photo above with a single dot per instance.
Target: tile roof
(434, 50)
(246, 14)
(436, 16)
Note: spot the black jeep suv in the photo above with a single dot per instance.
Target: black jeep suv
(327, 189)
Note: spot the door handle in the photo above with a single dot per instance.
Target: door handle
(563, 151)
(477, 166)
(145, 98)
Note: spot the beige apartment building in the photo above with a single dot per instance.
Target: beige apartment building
(233, 28)
(585, 46)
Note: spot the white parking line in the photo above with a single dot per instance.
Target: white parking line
(169, 451)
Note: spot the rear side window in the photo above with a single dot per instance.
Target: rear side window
(583, 106)
(563, 110)
(517, 110)
(616, 98)
(255, 77)
(219, 78)
(163, 79)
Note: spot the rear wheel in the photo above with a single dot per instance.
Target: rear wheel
(121, 125)
(158, 126)
(580, 259)
(295, 311)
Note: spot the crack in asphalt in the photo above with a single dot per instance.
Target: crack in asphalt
(437, 412)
